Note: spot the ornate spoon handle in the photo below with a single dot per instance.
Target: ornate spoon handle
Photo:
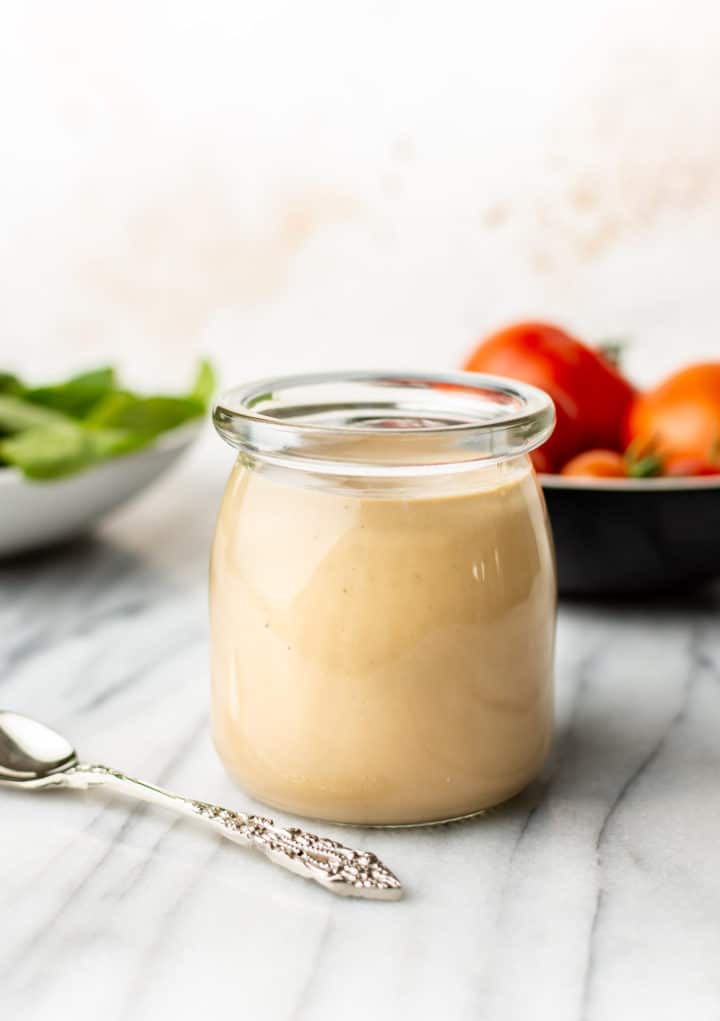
(338, 868)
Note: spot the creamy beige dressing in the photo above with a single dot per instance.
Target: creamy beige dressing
(379, 656)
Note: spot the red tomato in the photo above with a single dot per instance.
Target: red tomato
(684, 464)
(599, 464)
(681, 416)
(591, 397)
(540, 459)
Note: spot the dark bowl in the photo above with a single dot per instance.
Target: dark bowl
(625, 536)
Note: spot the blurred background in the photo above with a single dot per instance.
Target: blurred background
(286, 185)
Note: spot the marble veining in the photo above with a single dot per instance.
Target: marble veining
(595, 896)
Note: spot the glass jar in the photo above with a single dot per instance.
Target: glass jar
(382, 595)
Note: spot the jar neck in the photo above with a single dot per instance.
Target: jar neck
(397, 481)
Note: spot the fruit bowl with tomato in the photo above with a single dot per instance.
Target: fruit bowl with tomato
(631, 477)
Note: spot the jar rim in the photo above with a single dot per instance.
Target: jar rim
(384, 420)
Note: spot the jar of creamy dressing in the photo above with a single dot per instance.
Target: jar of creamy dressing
(382, 595)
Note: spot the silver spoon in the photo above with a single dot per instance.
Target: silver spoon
(34, 757)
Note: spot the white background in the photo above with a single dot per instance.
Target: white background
(290, 185)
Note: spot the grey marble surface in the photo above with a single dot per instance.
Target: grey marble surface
(595, 895)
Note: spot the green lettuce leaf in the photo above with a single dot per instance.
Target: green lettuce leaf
(52, 431)
(205, 383)
(10, 384)
(77, 395)
(57, 450)
(149, 414)
(17, 415)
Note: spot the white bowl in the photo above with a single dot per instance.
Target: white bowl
(34, 514)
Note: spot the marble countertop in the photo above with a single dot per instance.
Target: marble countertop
(595, 895)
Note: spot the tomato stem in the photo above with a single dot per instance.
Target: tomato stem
(643, 462)
(612, 350)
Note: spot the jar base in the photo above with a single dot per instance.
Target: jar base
(441, 820)
(424, 823)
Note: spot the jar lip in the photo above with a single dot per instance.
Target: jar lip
(385, 417)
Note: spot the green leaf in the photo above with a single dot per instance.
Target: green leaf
(17, 415)
(62, 449)
(52, 431)
(205, 383)
(647, 467)
(613, 350)
(10, 384)
(77, 395)
(148, 414)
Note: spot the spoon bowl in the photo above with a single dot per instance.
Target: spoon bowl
(31, 752)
